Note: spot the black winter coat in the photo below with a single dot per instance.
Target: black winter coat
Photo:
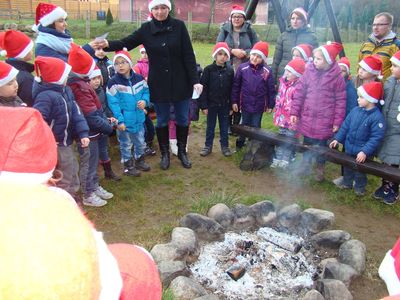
(24, 79)
(172, 64)
(217, 86)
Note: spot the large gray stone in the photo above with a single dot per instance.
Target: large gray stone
(289, 216)
(184, 288)
(331, 239)
(165, 252)
(264, 213)
(315, 220)
(339, 271)
(244, 218)
(169, 270)
(208, 297)
(221, 213)
(205, 227)
(186, 243)
(313, 295)
(332, 289)
(353, 253)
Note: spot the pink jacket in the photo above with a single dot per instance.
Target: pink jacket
(283, 103)
(142, 68)
(319, 102)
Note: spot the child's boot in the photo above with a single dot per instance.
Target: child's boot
(141, 165)
(129, 169)
(149, 150)
(108, 171)
(182, 134)
(320, 172)
(163, 142)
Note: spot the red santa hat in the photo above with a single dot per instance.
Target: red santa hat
(300, 12)
(389, 270)
(395, 59)
(237, 9)
(154, 3)
(330, 51)
(28, 152)
(15, 44)
(142, 49)
(296, 66)
(96, 72)
(372, 92)
(51, 69)
(47, 14)
(344, 61)
(305, 51)
(260, 48)
(372, 64)
(221, 46)
(80, 61)
(124, 54)
(7, 73)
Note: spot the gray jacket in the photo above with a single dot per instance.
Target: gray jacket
(286, 41)
(389, 151)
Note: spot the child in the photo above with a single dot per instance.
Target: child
(293, 71)
(9, 86)
(128, 95)
(215, 100)
(18, 47)
(351, 98)
(253, 90)
(369, 70)
(58, 108)
(82, 65)
(361, 132)
(319, 104)
(96, 84)
(303, 51)
(389, 152)
(142, 68)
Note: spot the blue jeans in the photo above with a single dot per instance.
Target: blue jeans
(181, 113)
(284, 152)
(222, 112)
(308, 155)
(127, 140)
(103, 148)
(149, 130)
(89, 162)
(360, 179)
(252, 120)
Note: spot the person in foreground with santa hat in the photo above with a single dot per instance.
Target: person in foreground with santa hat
(9, 86)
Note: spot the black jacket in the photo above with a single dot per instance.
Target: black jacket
(217, 86)
(172, 64)
(24, 79)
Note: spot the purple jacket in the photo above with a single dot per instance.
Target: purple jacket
(253, 88)
(319, 102)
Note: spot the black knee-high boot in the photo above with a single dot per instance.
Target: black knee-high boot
(181, 136)
(163, 142)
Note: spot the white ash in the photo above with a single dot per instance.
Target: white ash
(272, 272)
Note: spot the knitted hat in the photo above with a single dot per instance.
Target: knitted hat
(47, 246)
(237, 9)
(124, 54)
(142, 49)
(344, 61)
(7, 73)
(96, 72)
(372, 91)
(154, 3)
(395, 59)
(300, 12)
(305, 51)
(330, 51)
(16, 44)
(80, 61)
(221, 46)
(372, 64)
(28, 152)
(51, 69)
(296, 66)
(260, 48)
(389, 270)
(47, 14)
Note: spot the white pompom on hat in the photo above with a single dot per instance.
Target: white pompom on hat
(260, 48)
(221, 46)
(51, 69)
(372, 91)
(7, 73)
(142, 49)
(154, 3)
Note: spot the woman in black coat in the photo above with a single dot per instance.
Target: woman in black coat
(172, 73)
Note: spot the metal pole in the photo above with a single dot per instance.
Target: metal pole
(251, 8)
(312, 8)
(277, 9)
(333, 22)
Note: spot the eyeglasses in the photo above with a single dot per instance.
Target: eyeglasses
(116, 64)
(379, 24)
(237, 17)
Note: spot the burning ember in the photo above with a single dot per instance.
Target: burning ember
(261, 265)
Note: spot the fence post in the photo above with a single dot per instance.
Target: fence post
(87, 35)
(190, 24)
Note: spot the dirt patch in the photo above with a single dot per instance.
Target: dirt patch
(145, 209)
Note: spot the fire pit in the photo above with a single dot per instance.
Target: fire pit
(260, 252)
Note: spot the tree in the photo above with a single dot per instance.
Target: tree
(212, 13)
(109, 17)
(172, 12)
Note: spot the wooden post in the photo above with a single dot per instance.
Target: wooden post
(87, 34)
(190, 25)
(333, 23)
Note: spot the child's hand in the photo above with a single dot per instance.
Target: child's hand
(145, 111)
(235, 107)
(122, 127)
(141, 104)
(230, 112)
(205, 111)
(333, 144)
(85, 142)
(268, 110)
(335, 128)
(293, 119)
(113, 121)
(361, 157)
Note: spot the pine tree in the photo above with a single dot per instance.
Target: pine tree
(109, 17)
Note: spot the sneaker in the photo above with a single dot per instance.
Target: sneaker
(275, 163)
(359, 192)
(205, 151)
(340, 184)
(141, 165)
(390, 197)
(283, 164)
(379, 193)
(94, 200)
(338, 180)
(102, 193)
(148, 151)
(130, 170)
(226, 151)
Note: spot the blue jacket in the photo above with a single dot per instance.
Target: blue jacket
(59, 49)
(362, 130)
(123, 95)
(351, 96)
(57, 105)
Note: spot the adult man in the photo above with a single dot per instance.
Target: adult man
(382, 41)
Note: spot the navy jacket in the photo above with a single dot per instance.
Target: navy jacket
(351, 96)
(362, 130)
(24, 79)
(57, 105)
(43, 49)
